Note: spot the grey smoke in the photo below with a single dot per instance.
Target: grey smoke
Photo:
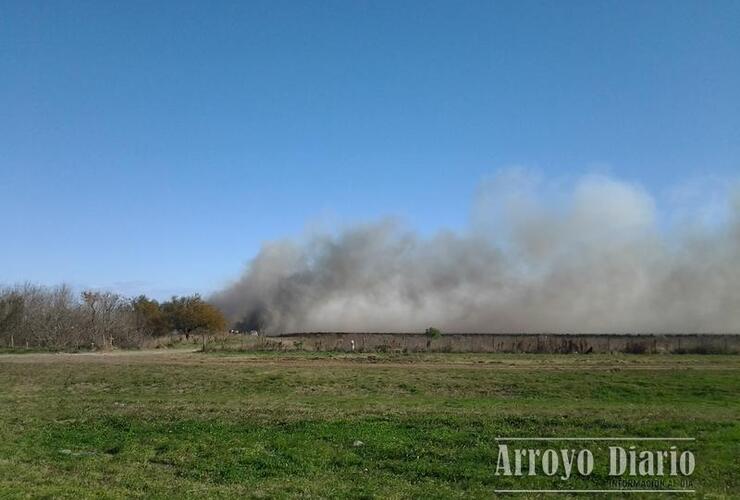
(537, 257)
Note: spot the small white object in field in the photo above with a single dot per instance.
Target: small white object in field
(358, 443)
(353, 345)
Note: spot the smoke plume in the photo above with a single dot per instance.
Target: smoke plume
(596, 256)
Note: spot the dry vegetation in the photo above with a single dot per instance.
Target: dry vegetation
(35, 317)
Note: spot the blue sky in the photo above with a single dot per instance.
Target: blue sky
(153, 146)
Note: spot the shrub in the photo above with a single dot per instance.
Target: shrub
(433, 333)
(187, 314)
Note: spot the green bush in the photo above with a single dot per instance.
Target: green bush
(432, 332)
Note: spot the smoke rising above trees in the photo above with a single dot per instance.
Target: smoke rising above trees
(595, 255)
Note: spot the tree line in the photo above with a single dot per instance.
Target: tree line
(58, 318)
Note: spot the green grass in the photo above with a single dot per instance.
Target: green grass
(159, 425)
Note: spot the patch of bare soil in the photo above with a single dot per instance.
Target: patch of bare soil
(528, 363)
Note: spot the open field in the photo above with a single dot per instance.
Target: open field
(181, 423)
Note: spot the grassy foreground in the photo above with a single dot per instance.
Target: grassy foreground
(162, 424)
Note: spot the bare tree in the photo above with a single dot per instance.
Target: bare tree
(56, 318)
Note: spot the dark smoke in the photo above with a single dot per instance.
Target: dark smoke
(595, 258)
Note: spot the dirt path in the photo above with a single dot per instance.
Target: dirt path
(477, 362)
(134, 356)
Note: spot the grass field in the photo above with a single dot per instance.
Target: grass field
(187, 424)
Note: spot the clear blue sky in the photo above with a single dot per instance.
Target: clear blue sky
(152, 146)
